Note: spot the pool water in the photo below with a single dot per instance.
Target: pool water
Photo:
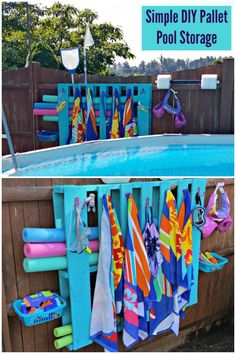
(152, 160)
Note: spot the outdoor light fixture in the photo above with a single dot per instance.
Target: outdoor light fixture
(70, 60)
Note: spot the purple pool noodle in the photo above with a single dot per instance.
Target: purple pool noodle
(41, 250)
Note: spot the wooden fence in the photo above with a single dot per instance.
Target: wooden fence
(28, 203)
(208, 111)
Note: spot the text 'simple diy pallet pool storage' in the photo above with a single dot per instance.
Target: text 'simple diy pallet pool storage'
(75, 281)
(142, 97)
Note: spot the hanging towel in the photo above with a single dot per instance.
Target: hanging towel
(91, 128)
(136, 280)
(78, 124)
(152, 244)
(162, 313)
(155, 259)
(185, 223)
(115, 116)
(108, 293)
(129, 122)
(184, 269)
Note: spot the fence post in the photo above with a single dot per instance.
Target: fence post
(226, 124)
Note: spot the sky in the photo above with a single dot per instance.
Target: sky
(127, 15)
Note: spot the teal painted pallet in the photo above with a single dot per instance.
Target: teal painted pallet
(141, 93)
(75, 281)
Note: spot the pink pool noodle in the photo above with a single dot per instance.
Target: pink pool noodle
(41, 250)
(93, 245)
(53, 112)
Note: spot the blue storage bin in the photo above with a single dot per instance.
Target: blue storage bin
(46, 135)
(210, 267)
(39, 316)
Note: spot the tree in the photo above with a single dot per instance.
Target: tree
(60, 26)
(42, 53)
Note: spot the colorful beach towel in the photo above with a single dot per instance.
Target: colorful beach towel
(162, 313)
(129, 122)
(91, 128)
(136, 280)
(78, 123)
(152, 243)
(104, 320)
(115, 116)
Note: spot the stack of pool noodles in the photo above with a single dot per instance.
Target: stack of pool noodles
(63, 335)
(45, 249)
(49, 108)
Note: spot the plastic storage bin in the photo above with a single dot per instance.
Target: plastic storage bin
(210, 267)
(46, 135)
(39, 316)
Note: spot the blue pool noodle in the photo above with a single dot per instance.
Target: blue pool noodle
(51, 235)
(48, 105)
(43, 235)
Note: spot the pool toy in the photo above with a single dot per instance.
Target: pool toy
(164, 106)
(210, 257)
(217, 218)
(45, 300)
(213, 263)
(41, 307)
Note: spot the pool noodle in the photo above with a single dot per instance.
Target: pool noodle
(93, 245)
(53, 112)
(40, 235)
(43, 235)
(46, 112)
(62, 331)
(63, 341)
(32, 265)
(42, 250)
(48, 105)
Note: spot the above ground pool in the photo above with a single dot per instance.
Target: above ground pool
(156, 155)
